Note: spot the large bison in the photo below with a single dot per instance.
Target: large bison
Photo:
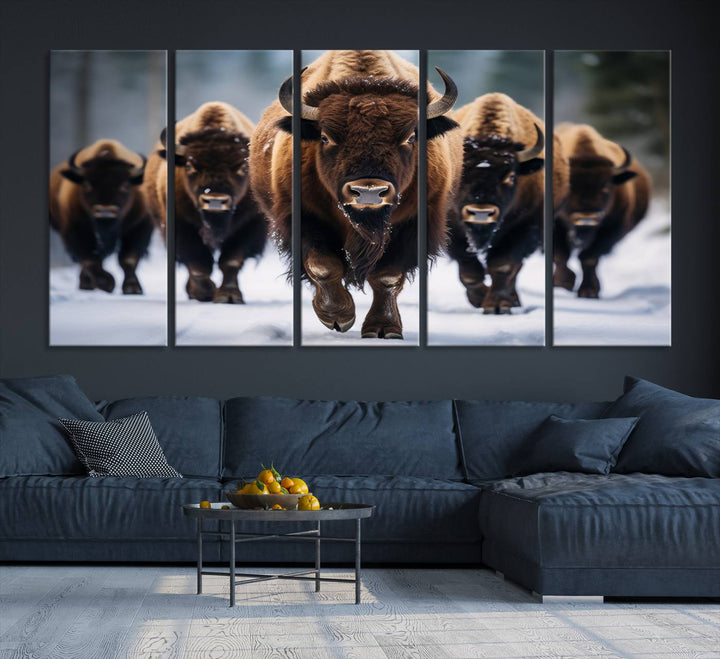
(214, 209)
(609, 194)
(359, 119)
(498, 210)
(95, 205)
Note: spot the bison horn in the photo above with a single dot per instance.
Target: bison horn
(445, 104)
(621, 168)
(533, 151)
(71, 162)
(163, 137)
(285, 96)
(136, 171)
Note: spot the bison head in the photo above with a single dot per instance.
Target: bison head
(215, 176)
(364, 135)
(592, 191)
(491, 170)
(106, 191)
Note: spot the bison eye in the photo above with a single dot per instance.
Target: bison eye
(189, 167)
(324, 139)
(509, 179)
(411, 139)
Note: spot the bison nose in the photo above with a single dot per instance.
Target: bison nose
(368, 192)
(585, 219)
(214, 202)
(481, 214)
(105, 211)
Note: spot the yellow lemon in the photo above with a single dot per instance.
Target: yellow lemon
(277, 506)
(274, 487)
(257, 487)
(205, 504)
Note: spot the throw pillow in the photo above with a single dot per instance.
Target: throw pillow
(121, 447)
(589, 446)
(32, 441)
(677, 435)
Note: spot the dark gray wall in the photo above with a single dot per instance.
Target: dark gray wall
(30, 28)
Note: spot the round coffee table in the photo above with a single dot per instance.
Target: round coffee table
(330, 512)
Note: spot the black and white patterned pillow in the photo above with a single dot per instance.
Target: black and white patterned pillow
(121, 447)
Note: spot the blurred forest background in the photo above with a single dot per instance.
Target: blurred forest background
(518, 73)
(247, 79)
(626, 96)
(118, 94)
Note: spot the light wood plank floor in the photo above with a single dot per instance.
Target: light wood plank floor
(95, 612)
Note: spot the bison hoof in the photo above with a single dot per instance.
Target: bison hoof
(339, 317)
(393, 332)
(476, 295)
(200, 288)
(132, 287)
(590, 293)
(228, 296)
(498, 306)
(564, 280)
(97, 278)
(339, 326)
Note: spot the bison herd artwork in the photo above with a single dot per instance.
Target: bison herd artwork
(483, 145)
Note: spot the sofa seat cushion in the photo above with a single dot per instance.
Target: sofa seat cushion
(350, 438)
(188, 428)
(570, 520)
(105, 508)
(408, 509)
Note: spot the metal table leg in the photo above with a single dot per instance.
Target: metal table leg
(232, 562)
(357, 561)
(199, 560)
(317, 560)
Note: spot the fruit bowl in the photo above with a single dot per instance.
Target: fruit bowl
(250, 501)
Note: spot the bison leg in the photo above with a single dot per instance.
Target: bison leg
(383, 319)
(92, 276)
(229, 290)
(134, 243)
(563, 277)
(197, 257)
(332, 303)
(472, 276)
(590, 287)
(502, 296)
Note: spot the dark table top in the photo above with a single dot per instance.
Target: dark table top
(339, 511)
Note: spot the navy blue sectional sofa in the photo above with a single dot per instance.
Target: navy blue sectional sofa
(442, 474)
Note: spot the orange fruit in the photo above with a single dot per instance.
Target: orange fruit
(277, 506)
(308, 502)
(299, 487)
(274, 487)
(287, 482)
(205, 504)
(225, 507)
(266, 476)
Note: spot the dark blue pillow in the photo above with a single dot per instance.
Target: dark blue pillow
(32, 441)
(589, 446)
(677, 435)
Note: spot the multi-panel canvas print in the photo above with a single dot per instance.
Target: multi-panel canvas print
(611, 241)
(232, 285)
(108, 265)
(359, 218)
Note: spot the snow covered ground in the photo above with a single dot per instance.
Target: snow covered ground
(633, 310)
(634, 304)
(265, 319)
(96, 318)
(453, 321)
(314, 333)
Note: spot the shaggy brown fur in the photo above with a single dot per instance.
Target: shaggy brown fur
(495, 128)
(211, 155)
(601, 207)
(368, 103)
(103, 175)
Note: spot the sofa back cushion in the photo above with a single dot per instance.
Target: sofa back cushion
(493, 433)
(188, 428)
(312, 437)
(32, 440)
(677, 435)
